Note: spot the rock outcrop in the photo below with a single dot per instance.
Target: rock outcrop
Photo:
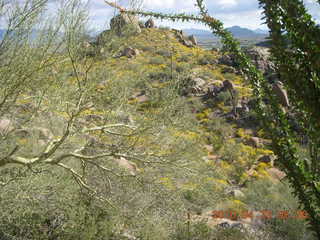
(129, 52)
(188, 41)
(193, 39)
(150, 23)
(260, 57)
(124, 22)
(281, 93)
(228, 60)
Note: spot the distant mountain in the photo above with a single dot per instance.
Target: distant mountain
(197, 32)
(240, 32)
(261, 31)
(237, 31)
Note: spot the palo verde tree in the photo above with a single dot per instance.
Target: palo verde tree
(296, 54)
(51, 117)
(39, 107)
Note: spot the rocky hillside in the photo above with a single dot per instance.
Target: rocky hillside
(185, 145)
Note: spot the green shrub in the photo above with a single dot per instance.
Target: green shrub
(146, 48)
(164, 53)
(264, 194)
(207, 59)
(157, 60)
(223, 97)
(184, 58)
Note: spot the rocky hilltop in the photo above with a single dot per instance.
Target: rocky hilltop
(187, 157)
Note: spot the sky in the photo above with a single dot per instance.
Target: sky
(244, 13)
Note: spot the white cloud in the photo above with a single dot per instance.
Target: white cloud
(159, 3)
(245, 13)
(227, 3)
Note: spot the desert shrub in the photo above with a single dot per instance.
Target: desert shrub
(217, 132)
(50, 211)
(164, 53)
(209, 75)
(223, 97)
(264, 194)
(184, 58)
(207, 59)
(146, 48)
(157, 60)
(162, 75)
(195, 231)
(229, 76)
(183, 67)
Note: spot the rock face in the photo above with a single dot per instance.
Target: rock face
(193, 39)
(260, 57)
(228, 60)
(198, 85)
(188, 41)
(281, 93)
(123, 22)
(150, 23)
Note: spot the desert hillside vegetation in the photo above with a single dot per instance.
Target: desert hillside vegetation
(138, 133)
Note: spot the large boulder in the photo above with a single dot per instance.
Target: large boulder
(198, 84)
(188, 41)
(228, 60)
(260, 57)
(150, 23)
(193, 39)
(124, 22)
(129, 52)
(281, 93)
(195, 86)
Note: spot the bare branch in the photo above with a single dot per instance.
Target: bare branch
(78, 156)
(79, 180)
(112, 4)
(108, 126)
